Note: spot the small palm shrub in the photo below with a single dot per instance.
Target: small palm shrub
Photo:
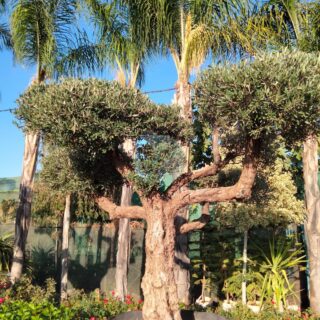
(282, 258)
(6, 250)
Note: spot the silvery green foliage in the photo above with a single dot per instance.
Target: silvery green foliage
(275, 94)
(90, 119)
(156, 157)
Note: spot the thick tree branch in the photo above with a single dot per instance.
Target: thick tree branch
(208, 170)
(115, 211)
(241, 190)
(199, 223)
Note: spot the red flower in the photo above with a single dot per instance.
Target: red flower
(2, 300)
(273, 302)
(105, 301)
(140, 301)
(92, 318)
(128, 302)
(112, 292)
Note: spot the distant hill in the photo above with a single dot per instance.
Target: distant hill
(9, 188)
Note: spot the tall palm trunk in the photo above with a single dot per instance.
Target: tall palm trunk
(244, 267)
(312, 198)
(124, 236)
(65, 248)
(182, 261)
(23, 214)
(123, 253)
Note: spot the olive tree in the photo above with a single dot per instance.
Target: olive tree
(93, 118)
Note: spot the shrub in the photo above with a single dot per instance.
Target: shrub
(99, 306)
(25, 290)
(4, 287)
(269, 313)
(22, 310)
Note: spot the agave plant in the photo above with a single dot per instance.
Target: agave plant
(6, 249)
(282, 257)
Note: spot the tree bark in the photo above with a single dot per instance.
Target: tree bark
(312, 198)
(182, 261)
(158, 284)
(23, 214)
(123, 253)
(65, 249)
(124, 234)
(244, 268)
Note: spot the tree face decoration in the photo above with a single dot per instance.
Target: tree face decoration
(92, 118)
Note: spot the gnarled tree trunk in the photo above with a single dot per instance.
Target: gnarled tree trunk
(158, 284)
(23, 214)
(65, 249)
(159, 210)
(312, 198)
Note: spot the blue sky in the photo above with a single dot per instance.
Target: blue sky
(14, 79)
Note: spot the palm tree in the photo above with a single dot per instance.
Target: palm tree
(125, 54)
(301, 29)
(129, 79)
(127, 76)
(41, 31)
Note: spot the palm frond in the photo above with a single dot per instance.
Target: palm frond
(124, 49)
(80, 55)
(5, 37)
(40, 28)
(3, 5)
(198, 44)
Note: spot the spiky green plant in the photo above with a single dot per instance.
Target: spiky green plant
(281, 258)
(6, 248)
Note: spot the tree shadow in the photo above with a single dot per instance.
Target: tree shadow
(42, 265)
(88, 268)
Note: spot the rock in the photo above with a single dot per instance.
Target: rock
(186, 315)
(132, 315)
(191, 315)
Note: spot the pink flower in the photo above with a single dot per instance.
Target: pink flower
(2, 300)
(92, 318)
(113, 293)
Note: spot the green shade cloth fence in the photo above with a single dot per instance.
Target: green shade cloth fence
(92, 252)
